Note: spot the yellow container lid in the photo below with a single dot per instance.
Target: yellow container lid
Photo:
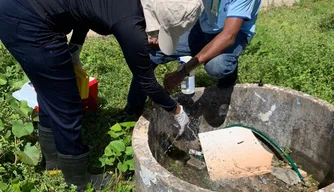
(82, 81)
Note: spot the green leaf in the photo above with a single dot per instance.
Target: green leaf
(2, 170)
(30, 155)
(108, 151)
(129, 151)
(123, 167)
(19, 129)
(117, 146)
(131, 164)
(27, 187)
(127, 140)
(14, 104)
(3, 80)
(128, 125)
(24, 108)
(8, 134)
(115, 135)
(109, 161)
(16, 186)
(102, 160)
(36, 119)
(1, 125)
(19, 84)
(117, 127)
(3, 186)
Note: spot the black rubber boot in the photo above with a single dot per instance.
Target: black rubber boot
(48, 148)
(74, 168)
(138, 111)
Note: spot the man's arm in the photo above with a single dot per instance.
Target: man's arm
(76, 42)
(216, 46)
(222, 41)
(79, 35)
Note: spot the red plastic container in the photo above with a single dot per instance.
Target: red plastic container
(90, 104)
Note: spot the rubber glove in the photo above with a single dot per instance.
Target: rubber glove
(183, 120)
(75, 53)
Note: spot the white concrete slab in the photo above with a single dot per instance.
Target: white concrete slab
(234, 153)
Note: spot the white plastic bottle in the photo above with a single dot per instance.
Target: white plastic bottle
(188, 84)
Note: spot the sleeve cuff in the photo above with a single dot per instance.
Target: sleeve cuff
(245, 16)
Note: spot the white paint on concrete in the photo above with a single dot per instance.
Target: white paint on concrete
(147, 176)
(265, 116)
(259, 96)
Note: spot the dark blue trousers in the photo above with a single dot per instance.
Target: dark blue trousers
(45, 58)
(43, 55)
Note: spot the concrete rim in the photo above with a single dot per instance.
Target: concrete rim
(144, 157)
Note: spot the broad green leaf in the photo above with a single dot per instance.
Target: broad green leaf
(3, 80)
(109, 161)
(36, 119)
(16, 187)
(129, 151)
(128, 125)
(117, 146)
(123, 167)
(1, 125)
(2, 170)
(131, 164)
(19, 129)
(108, 151)
(9, 97)
(3, 186)
(24, 108)
(27, 187)
(19, 84)
(102, 160)
(115, 135)
(30, 155)
(117, 127)
(14, 104)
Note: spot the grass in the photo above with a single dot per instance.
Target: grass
(293, 47)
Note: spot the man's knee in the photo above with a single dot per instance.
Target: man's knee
(221, 66)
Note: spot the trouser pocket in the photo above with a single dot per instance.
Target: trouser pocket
(9, 29)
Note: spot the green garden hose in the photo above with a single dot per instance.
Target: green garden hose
(263, 135)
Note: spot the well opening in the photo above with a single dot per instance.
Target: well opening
(296, 121)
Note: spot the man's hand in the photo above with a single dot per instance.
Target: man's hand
(75, 53)
(153, 39)
(172, 80)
